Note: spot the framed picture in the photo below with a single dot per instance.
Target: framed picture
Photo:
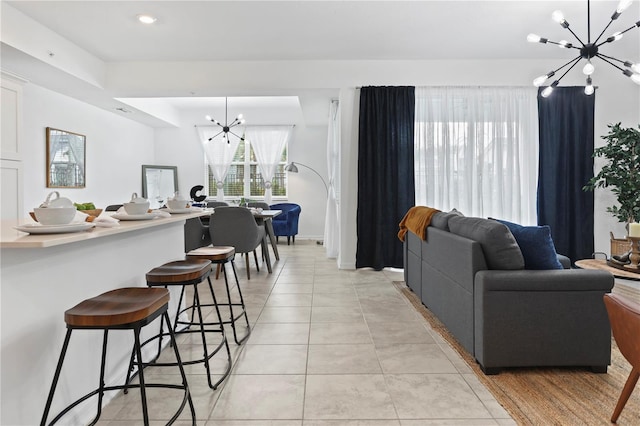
(159, 183)
(66, 155)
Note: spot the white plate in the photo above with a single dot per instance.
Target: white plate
(36, 228)
(146, 216)
(179, 211)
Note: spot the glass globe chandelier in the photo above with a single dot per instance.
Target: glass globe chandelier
(587, 51)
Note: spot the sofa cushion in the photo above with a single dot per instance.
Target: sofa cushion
(500, 248)
(440, 220)
(536, 245)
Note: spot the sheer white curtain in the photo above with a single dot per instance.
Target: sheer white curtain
(331, 222)
(219, 155)
(476, 150)
(268, 143)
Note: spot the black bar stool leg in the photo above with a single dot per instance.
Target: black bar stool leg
(224, 334)
(173, 343)
(143, 392)
(232, 315)
(103, 361)
(56, 376)
(196, 302)
(244, 309)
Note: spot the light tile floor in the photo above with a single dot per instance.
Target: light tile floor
(328, 348)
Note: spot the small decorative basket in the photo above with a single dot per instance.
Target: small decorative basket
(619, 246)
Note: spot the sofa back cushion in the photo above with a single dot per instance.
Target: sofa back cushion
(501, 251)
(440, 220)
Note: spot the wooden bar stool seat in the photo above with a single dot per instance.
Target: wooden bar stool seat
(220, 256)
(116, 308)
(190, 319)
(179, 272)
(124, 308)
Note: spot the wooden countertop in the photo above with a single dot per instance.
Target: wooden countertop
(12, 238)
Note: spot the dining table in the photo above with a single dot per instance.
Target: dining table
(265, 217)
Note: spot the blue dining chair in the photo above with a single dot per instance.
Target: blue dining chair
(286, 223)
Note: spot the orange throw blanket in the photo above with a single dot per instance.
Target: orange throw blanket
(416, 220)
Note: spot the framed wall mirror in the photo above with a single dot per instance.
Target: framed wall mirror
(65, 159)
(158, 184)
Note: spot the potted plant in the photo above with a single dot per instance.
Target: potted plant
(621, 173)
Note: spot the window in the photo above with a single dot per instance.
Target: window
(476, 150)
(244, 179)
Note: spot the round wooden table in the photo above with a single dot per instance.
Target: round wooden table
(602, 265)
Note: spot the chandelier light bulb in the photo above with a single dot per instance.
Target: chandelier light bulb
(558, 16)
(564, 44)
(615, 36)
(239, 117)
(208, 118)
(539, 81)
(636, 67)
(623, 5)
(533, 38)
(589, 89)
(588, 68)
(635, 78)
(547, 92)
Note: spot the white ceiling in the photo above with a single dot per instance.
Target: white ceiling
(321, 30)
(311, 30)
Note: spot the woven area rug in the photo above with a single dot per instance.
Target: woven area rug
(550, 396)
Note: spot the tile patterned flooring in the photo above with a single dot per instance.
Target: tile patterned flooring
(328, 348)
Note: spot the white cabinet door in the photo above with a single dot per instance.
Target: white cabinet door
(10, 189)
(11, 153)
(11, 116)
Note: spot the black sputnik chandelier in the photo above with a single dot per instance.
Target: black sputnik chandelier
(226, 127)
(588, 50)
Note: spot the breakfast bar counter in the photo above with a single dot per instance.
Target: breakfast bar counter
(43, 275)
(12, 238)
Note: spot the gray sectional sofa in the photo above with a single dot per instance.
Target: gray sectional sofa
(469, 275)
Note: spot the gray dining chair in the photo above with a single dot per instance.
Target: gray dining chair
(196, 234)
(236, 227)
(215, 204)
(113, 208)
(258, 205)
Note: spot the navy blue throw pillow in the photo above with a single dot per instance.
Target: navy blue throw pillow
(536, 245)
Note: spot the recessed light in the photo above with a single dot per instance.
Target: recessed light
(147, 19)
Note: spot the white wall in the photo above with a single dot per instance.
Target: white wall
(116, 148)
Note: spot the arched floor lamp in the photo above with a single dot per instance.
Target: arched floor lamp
(293, 168)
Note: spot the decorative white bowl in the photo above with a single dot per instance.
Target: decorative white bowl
(136, 208)
(178, 204)
(54, 215)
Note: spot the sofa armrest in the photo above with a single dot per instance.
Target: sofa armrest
(541, 318)
(547, 280)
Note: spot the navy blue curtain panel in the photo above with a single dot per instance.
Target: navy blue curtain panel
(566, 165)
(386, 188)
